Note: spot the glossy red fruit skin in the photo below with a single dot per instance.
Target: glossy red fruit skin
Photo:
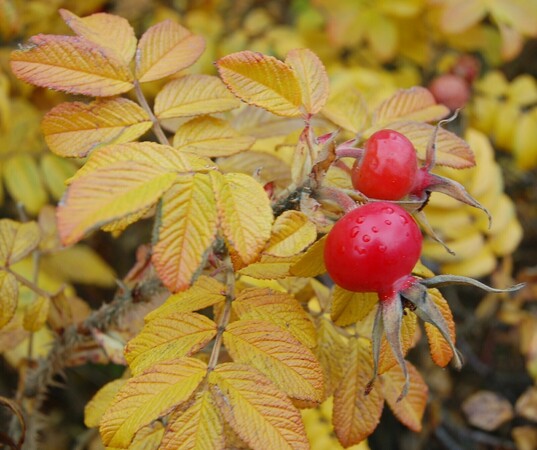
(387, 171)
(373, 248)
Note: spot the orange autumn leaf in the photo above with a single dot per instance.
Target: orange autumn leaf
(176, 335)
(185, 230)
(270, 267)
(440, 350)
(356, 415)
(113, 33)
(205, 292)
(148, 396)
(9, 296)
(71, 64)
(164, 49)
(312, 77)
(262, 81)
(245, 213)
(417, 104)
(73, 129)
(332, 353)
(211, 137)
(279, 355)
(256, 409)
(409, 410)
(350, 307)
(280, 308)
(292, 232)
(311, 263)
(199, 427)
(193, 95)
(113, 192)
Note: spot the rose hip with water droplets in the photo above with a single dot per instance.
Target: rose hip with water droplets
(372, 247)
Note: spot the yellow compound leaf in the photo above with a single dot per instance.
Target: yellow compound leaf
(312, 76)
(270, 268)
(348, 110)
(149, 437)
(311, 263)
(73, 129)
(441, 352)
(24, 182)
(176, 335)
(408, 332)
(292, 232)
(108, 194)
(185, 229)
(148, 396)
(194, 95)
(416, 104)
(150, 153)
(262, 81)
(71, 64)
(35, 314)
(256, 409)
(203, 293)
(356, 415)
(279, 355)
(211, 137)
(108, 31)
(451, 150)
(245, 213)
(200, 427)
(17, 240)
(166, 48)
(351, 307)
(97, 406)
(409, 410)
(332, 353)
(280, 308)
(9, 295)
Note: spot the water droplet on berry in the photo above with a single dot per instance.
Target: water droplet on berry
(388, 222)
(366, 238)
(374, 229)
(387, 210)
(382, 248)
(355, 231)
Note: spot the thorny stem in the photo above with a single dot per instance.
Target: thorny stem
(224, 320)
(157, 129)
(42, 377)
(36, 257)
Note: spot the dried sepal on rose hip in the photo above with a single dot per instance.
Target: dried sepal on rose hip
(373, 248)
(387, 169)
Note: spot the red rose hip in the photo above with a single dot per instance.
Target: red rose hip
(373, 248)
